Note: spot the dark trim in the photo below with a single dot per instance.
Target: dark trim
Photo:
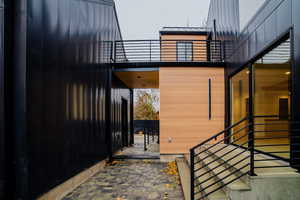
(185, 50)
(251, 120)
(16, 72)
(215, 28)
(108, 115)
(167, 64)
(121, 69)
(285, 35)
(294, 99)
(131, 116)
(9, 146)
(208, 50)
(209, 99)
(183, 32)
(227, 109)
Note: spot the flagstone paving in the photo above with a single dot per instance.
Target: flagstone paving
(138, 147)
(130, 180)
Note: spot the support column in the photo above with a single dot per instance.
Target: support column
(251, 136)
(108, 114)
(131, 116)
(15, 99)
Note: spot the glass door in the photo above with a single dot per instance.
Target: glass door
(272, 89)
(239, 99)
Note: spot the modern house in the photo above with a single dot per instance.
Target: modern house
(229, 94)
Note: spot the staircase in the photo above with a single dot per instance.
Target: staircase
(237, 170)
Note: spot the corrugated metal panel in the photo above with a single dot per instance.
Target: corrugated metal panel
(1, 100)
(67, 86)
(273, 19)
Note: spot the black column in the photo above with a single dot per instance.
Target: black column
(295, 108)
(15, 97)
(251, 136)
(131, 116)
(108, 113)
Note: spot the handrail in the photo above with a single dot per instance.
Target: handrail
(136, 51)
(223, 152)
(220, 133)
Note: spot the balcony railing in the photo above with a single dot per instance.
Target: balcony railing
(136, 51)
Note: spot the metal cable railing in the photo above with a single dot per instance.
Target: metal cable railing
(136, 51)
(245, 148)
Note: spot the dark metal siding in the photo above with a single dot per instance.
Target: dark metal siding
(1, 99)
(119, 91)
(272, 21)
(226, 15)
(63, 59)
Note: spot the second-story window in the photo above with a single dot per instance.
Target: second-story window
(184, 51)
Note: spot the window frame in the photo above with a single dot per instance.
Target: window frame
(186, 59)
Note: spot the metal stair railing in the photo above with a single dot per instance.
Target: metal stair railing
(243, 137)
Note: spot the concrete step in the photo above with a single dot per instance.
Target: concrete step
(218, 195)
(185, 178)
(222, 160)
(238, 154)
(234, 159)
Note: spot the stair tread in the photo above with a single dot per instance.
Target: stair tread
(218, 194)
(222, 172)
(258, 171)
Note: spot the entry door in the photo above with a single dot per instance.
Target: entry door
(124, 123)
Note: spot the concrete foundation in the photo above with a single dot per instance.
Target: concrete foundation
(270, 187)
(170, 157)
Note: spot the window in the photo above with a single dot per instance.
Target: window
(272, 90)
(184, 51)
(239, 100)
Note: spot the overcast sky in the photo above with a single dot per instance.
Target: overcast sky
(142, 19)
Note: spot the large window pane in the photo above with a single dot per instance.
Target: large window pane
(239, 84)
(272, 100)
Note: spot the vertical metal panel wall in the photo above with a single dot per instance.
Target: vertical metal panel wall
(273, 20)
(1, 99)
(226, 16)
(67, 86)
(119, 91)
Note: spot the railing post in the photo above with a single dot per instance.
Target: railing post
(208, 50)
(145, 141)
(192, 154)
(251, 137)
(150, 51)
(224, 50)
(148, 137)
(111, 51)
(251, 146)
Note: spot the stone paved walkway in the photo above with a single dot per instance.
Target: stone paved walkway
(138, 147)
(130, 180)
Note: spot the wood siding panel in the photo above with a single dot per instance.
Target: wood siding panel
(169, 48)
(184, 113)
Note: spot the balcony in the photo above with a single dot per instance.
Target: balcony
(168, 52)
